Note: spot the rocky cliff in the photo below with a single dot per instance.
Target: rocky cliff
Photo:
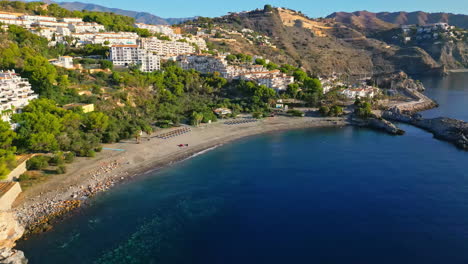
(321, 46)
(10, 232)
(450, 55)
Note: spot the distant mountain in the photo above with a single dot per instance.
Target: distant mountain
(369, 20)
(362, 20)
(141, 17)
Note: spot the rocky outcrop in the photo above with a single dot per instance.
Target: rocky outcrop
(447, 129)
(397, 81)
(379, 124)
(10, 231)
(400, 83)
(385, 125)
(452, 55)
(13, 257)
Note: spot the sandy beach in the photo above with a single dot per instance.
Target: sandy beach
(121, 161)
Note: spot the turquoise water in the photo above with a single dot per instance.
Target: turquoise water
(307, 196)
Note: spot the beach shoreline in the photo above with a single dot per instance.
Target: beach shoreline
(42, 205)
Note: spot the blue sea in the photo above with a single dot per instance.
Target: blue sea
(324, 196)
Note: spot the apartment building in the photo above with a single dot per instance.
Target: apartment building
(84, 27)
(166, 47)
(162, 29)
(200, 42)
(15, 93)
(9, 15)
(106, 38)
(71, 20)
(33, 18)
(204, 64)
(16, 21)
(127, 55)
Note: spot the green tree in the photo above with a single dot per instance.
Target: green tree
(293, 90)
(97, 122)
(7, 135)
(43, 142)
(105, 64)
(41, 74)
(268, 8)
(196, 118)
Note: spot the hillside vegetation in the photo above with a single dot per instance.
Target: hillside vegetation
(320, 46)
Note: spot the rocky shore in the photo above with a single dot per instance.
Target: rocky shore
(447, 129)
(39, 217)
(379, 123)
(10, 231)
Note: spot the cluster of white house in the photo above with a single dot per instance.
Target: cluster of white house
(174, 33)
(361, 92)
(55, 30)
(161, 29)
(257, 73)
(15, 93)
(429, 31)
(50, 25)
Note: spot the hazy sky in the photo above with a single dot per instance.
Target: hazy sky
(313, 8)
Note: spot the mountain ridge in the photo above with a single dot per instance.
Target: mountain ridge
(369, 19)
(141, 17)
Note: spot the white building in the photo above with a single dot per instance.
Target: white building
(127, 55)
(118, 38)
(204, 64)
(106, 38)
(162, 29)
(64, 62)
(38, 18)
(272, 79)
(47, 33)
(257, 73)
(352, 93)
(50, 24)
(17, 22)
(9, 15)
(15, 93)
(86, 27)
(69, 20)
(200, 42)
(64, 31)
(166, 47)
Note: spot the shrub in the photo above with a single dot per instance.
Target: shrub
(69, 157)
(336, 110)
(257, 115)
(90, 153)
(61, 169)
(57, 160)
(297, 113)
(324, 110)
(23, 177)
(37, 163)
